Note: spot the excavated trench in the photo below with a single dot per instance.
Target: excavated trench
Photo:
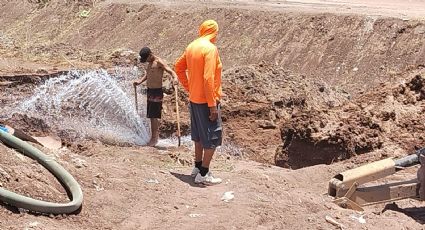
(317, 124)
(388, 117)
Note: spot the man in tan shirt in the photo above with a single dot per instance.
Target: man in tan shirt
(153, 77)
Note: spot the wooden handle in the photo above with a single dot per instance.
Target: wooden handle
(176, 89)
(135, 98)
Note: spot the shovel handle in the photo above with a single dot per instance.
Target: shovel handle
(176, 89)
(135, 98)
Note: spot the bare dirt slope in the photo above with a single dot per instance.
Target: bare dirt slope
(389, 8)
(289, 65)
(343, 49)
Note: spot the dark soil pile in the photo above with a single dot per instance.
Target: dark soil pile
(387, 116)
(260, 98)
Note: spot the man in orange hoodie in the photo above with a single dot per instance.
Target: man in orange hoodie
(203, 82)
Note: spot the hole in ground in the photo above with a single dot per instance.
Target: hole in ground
(302, 153)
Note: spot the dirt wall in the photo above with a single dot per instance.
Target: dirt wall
(388, 117)
(353, 51)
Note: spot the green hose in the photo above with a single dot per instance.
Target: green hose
(66, 179)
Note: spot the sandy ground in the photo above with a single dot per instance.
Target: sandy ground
(143, 188)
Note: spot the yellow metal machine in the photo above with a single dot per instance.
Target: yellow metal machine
(349, 190)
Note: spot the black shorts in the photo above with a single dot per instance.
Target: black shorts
(208, 132)
(154, 103)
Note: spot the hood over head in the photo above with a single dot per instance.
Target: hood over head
(209, 29)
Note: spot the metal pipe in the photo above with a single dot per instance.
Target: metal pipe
(70, 184)
(407, 161)
(410, 159)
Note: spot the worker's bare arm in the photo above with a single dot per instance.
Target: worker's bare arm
(167, 69)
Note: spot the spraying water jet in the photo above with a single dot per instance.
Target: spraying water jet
(94, 104)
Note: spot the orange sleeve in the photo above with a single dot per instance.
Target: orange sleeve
(218, 71)
(210, 66)
(180, 68)
(217, 80)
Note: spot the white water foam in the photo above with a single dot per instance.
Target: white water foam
(93, 104)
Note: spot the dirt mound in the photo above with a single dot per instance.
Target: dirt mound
(265, 83)
(260, 98)
(389, 115)
(26, 177)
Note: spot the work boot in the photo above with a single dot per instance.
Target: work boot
(208, 179)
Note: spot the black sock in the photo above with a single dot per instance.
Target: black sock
(198, 164)
(204, 171)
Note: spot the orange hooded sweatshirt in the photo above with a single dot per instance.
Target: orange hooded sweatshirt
(203, 65)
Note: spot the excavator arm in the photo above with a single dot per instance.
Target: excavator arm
(348, 190)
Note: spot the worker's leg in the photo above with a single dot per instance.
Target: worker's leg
(154, 110)
(206, 160)
(154, 131)
(196, 140)
(205, 176)
(198, 151)
(210, 133)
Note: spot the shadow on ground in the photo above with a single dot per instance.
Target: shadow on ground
(187, 179)
(416, 213)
